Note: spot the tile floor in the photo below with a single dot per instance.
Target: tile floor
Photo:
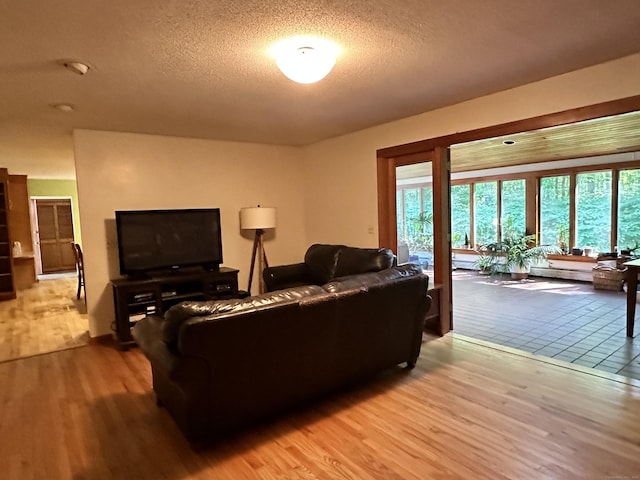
(562, 319)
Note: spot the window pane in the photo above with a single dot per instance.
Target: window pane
(593, 210)
(628, 218)
(425, 220)
(554, 209)
(427, 199)
(460, 214)
(513, 205)
(486, 212)
(411, 211)
(400, 215)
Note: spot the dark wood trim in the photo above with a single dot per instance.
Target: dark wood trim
(530, 206)
(442, 235)
(615, 176)
(412, 159)
(387, 235)
(472, 212)
(614, 107)
(572, 211)
(539, 214)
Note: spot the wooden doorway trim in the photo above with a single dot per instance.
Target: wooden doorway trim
(390, 157)
(439, 318)
(443, 322)
(614, 107)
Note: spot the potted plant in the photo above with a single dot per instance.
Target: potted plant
(485, 264)
(520, 250)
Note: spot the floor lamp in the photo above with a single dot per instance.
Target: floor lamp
(258, 219)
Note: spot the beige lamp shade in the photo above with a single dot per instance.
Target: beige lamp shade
(254, 218)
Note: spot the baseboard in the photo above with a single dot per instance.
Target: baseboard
(106, 339)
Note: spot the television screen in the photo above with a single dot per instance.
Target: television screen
(151, 240)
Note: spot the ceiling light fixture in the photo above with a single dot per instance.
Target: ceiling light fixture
(305, 59)
(77, 67)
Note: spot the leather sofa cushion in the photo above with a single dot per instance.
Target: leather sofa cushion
(352, 261)
(321, 262)
(326, 262)
(177, 314)
(286, 276)
(364, 281)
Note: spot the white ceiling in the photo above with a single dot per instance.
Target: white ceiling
(200, 68)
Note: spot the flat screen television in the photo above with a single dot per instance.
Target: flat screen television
(157, 241)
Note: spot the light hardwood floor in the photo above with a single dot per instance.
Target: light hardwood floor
(44, 318)
(465, 412)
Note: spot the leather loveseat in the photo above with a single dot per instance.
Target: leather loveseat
(221, 365)
(322, 263)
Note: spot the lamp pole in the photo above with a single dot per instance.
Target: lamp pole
(258, 219)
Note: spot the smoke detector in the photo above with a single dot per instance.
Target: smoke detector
(63, 107)
(77, 67)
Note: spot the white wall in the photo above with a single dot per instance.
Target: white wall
(340, 173)
(119, 171)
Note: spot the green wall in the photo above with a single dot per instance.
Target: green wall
(58, 189)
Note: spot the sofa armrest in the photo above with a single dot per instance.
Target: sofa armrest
(286, 276)
(148, 334)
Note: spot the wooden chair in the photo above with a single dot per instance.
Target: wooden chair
(77, 252)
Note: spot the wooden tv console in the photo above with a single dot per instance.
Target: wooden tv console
(135, 298)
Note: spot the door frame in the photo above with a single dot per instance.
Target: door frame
(415, 152)
(34, 224)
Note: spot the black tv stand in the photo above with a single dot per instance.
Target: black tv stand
(136, 297)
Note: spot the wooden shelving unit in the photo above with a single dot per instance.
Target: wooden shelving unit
(24, 269)
(7, 288)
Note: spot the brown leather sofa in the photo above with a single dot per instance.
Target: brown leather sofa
(322, 263)
(221, 365)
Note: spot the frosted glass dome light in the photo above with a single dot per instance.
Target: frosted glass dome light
(305, 62)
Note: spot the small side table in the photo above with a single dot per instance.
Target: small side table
(633, 268)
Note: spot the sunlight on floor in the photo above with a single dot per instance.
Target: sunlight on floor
(531, 285)
(549, 287)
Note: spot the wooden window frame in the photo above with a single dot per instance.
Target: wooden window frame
(533, 207)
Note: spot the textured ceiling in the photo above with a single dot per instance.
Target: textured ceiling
(201, 68)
